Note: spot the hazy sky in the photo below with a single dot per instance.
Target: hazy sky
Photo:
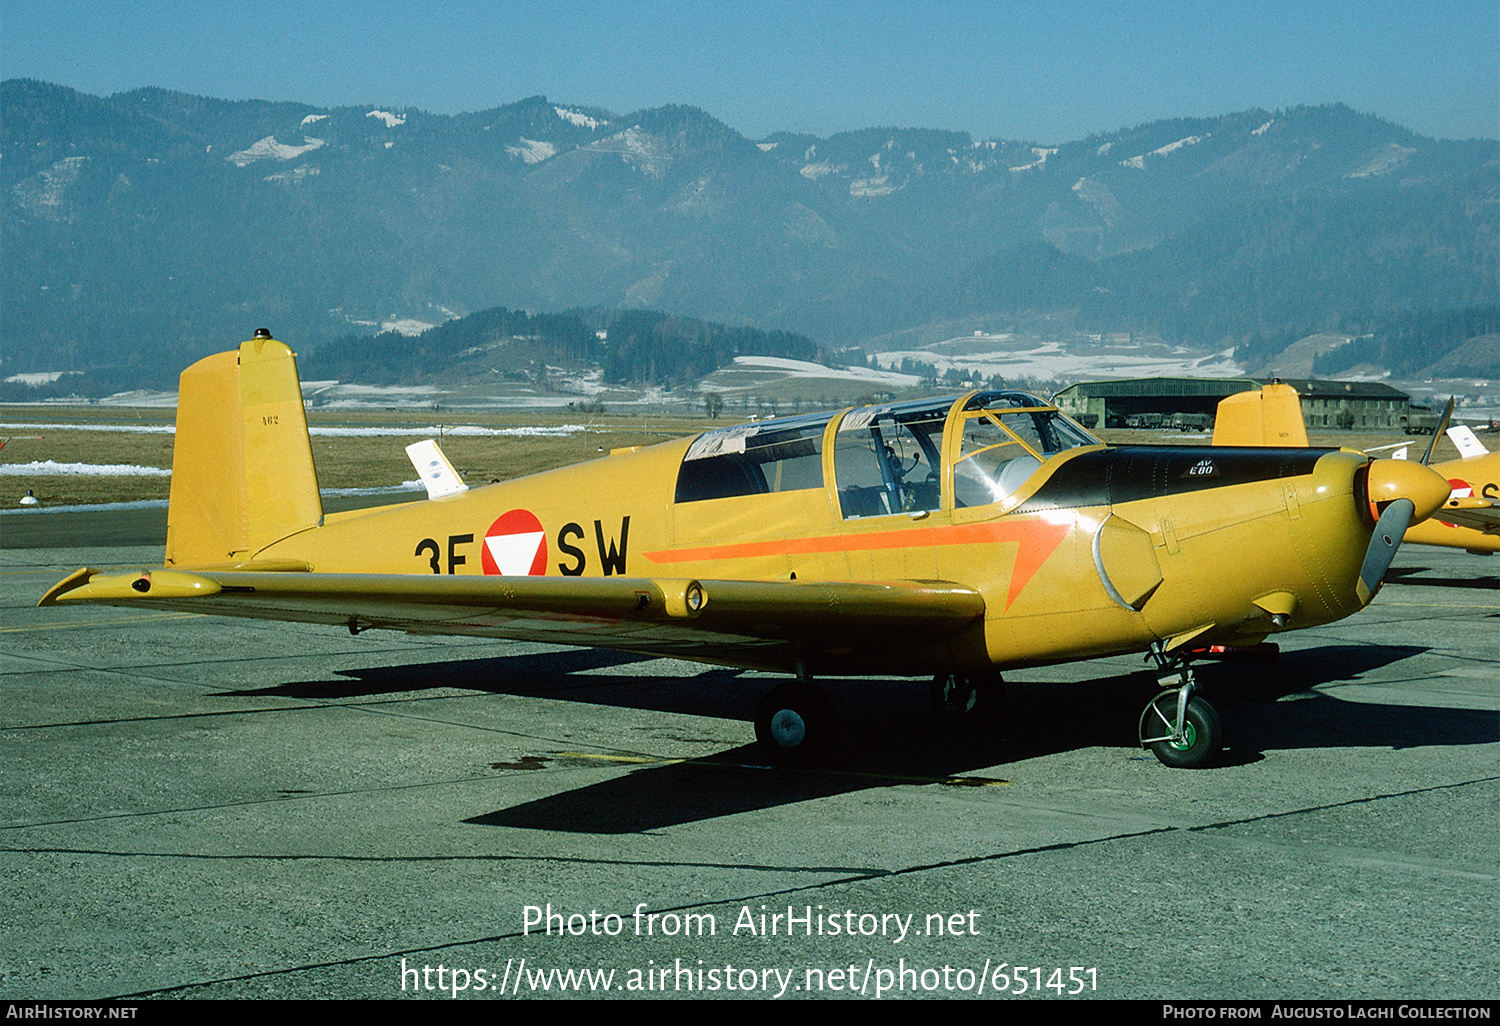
(1034, 71)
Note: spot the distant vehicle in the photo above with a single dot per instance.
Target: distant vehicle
(1193, 421)
(951, 538)
(1422, 421)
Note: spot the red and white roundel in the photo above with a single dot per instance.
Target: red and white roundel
(515, 545)
(1461, 488)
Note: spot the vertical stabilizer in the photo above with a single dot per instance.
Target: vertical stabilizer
(1272, 416)
(242, 466)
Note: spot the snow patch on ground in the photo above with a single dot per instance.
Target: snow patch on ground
(448, 431)
(407, 326)
(41, 194)
(37, 377)
(134, 429)
(391, 120)
(1041, 155)
(1387, 159)
(1173, 147)
(531, 151)
(91, 508)
(269, 149)
(1054, 361)
(1139, 162)
(578, 118)
(804, 369)
(51, 468)
(866, 187)
(295, 175)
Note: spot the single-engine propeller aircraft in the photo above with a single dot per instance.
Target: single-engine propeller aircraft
(951, 537)
(1469, 519)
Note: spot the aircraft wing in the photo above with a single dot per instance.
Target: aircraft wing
(1477, 513)
(634, 614)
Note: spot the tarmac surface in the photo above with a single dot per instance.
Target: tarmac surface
(208, 808)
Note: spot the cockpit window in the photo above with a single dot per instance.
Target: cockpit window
(780, 455)
(887, 459)
(1006, 437)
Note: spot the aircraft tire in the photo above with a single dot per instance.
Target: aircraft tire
(967, 698)
(1203, 733)
(795, 723)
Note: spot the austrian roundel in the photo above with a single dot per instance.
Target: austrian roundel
(515, 545)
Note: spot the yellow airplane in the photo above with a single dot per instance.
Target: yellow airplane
(1469, 519)
(954, 537)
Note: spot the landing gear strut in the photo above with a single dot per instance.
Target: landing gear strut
(1181, 728)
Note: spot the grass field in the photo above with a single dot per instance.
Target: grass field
(92, 435)
(360, 461)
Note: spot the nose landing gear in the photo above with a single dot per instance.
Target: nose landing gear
(1182, 729)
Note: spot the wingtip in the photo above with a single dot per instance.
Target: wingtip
(88, 585)
(77, 579)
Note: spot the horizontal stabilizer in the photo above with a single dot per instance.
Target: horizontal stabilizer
(1462, 436)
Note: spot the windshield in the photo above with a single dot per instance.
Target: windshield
(1006, 436)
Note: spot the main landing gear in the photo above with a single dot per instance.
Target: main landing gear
(1181, 728)
(967, 697)
(795, 722)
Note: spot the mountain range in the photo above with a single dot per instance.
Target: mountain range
(145, 229)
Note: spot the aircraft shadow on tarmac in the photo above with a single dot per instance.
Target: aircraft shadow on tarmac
(887, 739)
(1407, 576)
(888, 735)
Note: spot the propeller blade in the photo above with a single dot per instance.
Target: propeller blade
(1438, 431)
(1383, 545)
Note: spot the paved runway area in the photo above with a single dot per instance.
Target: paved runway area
(207, 808)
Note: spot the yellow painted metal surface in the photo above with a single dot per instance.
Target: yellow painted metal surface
(242, 466)
(1272, 416)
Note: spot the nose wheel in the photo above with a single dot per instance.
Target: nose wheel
(1182, 729)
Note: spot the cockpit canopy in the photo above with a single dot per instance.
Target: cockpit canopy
(888, 459)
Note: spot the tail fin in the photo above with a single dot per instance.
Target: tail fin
(1272, 416)
(242, 466)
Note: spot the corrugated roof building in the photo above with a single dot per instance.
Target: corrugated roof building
(1152, 402)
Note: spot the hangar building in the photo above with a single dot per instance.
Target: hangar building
(1153, 402)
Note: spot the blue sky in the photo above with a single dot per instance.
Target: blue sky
(1034, 71)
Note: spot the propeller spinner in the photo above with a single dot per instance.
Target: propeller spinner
(1401, 493)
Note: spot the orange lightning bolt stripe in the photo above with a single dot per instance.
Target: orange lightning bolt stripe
(1035, 539)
